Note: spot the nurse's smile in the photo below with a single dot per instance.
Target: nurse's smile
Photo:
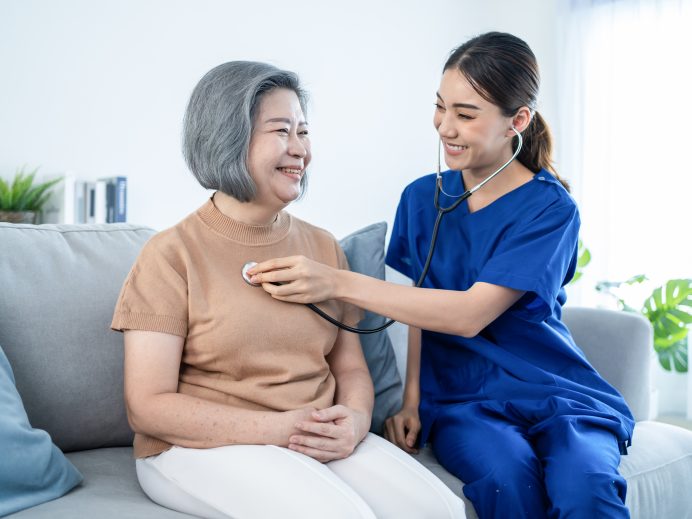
(455, 149)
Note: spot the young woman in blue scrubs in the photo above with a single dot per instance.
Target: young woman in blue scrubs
(495, 381)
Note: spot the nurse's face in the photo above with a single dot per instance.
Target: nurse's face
(279, 148)
(474, 133)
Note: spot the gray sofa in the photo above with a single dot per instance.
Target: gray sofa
(59, 285)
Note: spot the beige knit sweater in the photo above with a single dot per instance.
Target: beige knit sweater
(242, 347)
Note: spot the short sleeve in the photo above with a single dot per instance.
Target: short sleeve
(398, 254)
(154, 296)
(539, 257)
(352, 314)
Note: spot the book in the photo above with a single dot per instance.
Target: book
(76, 200)
(60, 207)
(90, 201)
(100, 202)
(120, 199)
(116, 199)
(110, 201)
(80, 202)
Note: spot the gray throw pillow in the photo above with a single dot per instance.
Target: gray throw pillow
(364, 250)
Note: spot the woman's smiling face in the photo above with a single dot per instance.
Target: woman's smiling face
(279, 148)
(473, 131)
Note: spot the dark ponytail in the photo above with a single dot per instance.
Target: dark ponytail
(537, 151)
(504, 71)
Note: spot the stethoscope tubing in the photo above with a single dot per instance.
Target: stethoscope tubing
(441, 211)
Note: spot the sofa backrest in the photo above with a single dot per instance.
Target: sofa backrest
(59, 285)
(58, 288)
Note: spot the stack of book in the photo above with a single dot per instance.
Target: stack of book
(79, 201)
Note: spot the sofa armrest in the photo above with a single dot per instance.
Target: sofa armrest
(619, 346)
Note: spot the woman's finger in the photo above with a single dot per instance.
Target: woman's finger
(389, 430)
(273, 264)
(298, 299)
(321, 429)
(274, 276)
(286, 290)
(322, 456)
(316, 442)
(400, 434)
(412, 434)
(330, 414)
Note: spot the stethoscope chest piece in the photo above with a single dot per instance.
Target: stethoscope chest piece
(246, 276)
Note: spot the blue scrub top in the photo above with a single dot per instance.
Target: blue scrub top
(525, 240)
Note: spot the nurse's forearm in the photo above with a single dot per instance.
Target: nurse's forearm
(431, 309)
(454, 312)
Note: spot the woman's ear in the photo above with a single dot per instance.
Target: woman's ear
(521, 120)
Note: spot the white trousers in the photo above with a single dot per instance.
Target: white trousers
(378, 480)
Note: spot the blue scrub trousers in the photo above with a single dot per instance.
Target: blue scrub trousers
(566, 467)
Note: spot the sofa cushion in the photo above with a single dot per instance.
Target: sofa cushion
(659, 464)
(33, 470)
(658, 470)
(364, 250)
(110, 491)
(60, 284)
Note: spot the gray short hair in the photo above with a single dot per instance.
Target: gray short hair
(219, 121)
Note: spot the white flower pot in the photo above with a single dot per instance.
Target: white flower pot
(672, 388)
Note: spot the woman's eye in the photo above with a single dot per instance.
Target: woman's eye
(439, 106)
(462, 116)
(304, 132)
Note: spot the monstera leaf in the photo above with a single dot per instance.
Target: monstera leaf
(669, 309)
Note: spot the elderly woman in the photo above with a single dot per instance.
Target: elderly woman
(244, 406)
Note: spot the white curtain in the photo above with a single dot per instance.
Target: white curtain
(624, 138)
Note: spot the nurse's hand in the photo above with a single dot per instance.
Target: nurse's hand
(300, 280)
(402, 429)
(330, 434)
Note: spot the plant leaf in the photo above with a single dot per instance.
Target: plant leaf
(669, 309)
(23, 194)
(674, 356)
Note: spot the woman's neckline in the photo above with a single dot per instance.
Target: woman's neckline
(240, 232)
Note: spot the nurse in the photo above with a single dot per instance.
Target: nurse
(495, 381)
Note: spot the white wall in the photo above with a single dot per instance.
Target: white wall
(99, 88)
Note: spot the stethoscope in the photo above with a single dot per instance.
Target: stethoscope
(441, 211)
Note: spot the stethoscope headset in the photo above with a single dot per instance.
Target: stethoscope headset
(441, 211)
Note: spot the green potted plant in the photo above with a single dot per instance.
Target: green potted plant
(669, 310)
(22, 200)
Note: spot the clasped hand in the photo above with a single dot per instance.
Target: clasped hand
(329, 434)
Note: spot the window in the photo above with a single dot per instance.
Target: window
(624, 138)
